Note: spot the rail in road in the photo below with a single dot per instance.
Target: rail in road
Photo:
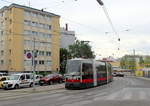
(22, 92)
(121, 92)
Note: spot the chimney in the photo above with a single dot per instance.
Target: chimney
(66, 27)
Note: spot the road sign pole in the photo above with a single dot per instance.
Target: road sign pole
(33, 61)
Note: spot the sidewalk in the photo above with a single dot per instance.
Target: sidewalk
(25, 92)
(148, 79)
(42, 88)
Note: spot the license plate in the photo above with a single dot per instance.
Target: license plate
(41, 82)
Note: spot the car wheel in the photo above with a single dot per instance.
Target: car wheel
(60, 81)
(40, 84)
(31, 85)
(50, 82)
(16, 86)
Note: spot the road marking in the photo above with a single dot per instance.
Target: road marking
(80, 103)
(65, 97)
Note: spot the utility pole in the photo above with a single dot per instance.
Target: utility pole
(33, 62)
(134, 58)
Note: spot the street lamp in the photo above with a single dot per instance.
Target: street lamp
(100, 2)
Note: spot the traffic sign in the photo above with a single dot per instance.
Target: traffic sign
(29, 55)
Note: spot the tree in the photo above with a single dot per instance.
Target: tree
(64, 54)
(147, 61)
(122, 63)
(141, 61)
(128, 62)
(81, 49)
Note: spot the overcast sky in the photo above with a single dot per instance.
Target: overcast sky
(87, 19)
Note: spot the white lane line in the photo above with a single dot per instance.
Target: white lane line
(100, 94)
(65, 97)
(80, 103)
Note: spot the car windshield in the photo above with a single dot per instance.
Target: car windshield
(73, 67)
(14, 77)
(49, 76)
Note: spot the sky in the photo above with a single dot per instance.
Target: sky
(130, 18)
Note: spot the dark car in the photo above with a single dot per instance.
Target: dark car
(50, 79)
(118, 74)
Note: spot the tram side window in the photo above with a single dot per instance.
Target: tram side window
(101, 71)
(87, 70)
(109, 69)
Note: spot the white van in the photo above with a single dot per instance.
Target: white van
(3, 74)
(19, 80)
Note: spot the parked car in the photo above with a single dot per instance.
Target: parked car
(50, 79)
(37, 79)
(19, 80)
(119, 74)
(3, 74)
(114, 74)
(3, 78)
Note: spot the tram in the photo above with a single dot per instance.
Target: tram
(86, 73)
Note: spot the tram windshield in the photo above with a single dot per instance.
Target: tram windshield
(73, 67)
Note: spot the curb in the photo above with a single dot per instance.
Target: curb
(148, 79)
(28, 92)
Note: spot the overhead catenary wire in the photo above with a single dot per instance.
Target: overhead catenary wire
(110, 22)
(75, 22)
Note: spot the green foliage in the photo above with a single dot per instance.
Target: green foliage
(146, 61)
(141, 61)
(128, 62)
(78, 50)
(81, 49)
(64, 54)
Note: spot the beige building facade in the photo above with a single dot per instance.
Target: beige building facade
(25, 30)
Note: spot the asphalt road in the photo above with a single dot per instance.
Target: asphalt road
(127, 91)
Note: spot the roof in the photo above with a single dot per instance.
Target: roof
(30, 9)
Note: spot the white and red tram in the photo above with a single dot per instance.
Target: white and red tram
(86, 73)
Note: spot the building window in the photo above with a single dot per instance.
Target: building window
(41, 62)
(9, 51)
(49, 62)
(2, 62)
(27, 13)
(10, 62)
(48, 53)
(27, 22)
(28, 62)
(1, 33)
(10, 21)
(49, 27)
(2, 52)
(43, 53)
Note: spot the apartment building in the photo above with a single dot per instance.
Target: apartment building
(67, 37)
(25, 30)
